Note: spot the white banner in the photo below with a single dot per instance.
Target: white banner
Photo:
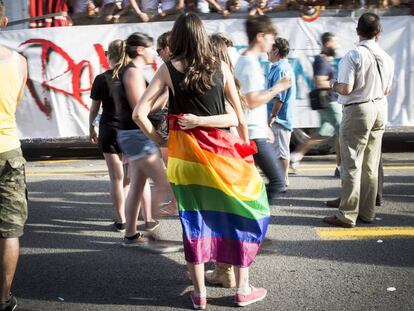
(64, 61)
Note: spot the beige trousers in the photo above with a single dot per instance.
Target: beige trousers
(360, 139)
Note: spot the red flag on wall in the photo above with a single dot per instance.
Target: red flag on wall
(42, 7)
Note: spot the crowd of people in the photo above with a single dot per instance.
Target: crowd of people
(81, 12)
(222, 119)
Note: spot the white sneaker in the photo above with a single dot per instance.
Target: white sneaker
(295, 159)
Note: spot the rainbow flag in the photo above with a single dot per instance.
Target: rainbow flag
(221, 197)
(311, 14)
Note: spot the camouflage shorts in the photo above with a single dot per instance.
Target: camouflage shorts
(13, 195)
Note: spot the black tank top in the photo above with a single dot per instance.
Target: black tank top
(207, 104)
(123, 108)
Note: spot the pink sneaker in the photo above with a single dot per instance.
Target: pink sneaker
(256, 295)
(199, 303)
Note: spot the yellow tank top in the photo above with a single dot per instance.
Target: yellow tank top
(10, 86)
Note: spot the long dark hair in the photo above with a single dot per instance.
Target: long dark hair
(220, 52)
(129, 49)
(190, 44)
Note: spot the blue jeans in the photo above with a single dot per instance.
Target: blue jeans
(266, 159)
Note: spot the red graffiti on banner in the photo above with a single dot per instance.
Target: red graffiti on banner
(76, 69)
(102, 57)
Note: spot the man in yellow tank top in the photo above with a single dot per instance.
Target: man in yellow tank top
(13, 199)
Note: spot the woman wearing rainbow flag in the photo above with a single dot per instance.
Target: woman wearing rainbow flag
(221, 197)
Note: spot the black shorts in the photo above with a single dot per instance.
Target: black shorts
(107, 139)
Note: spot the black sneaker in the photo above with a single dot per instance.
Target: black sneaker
(9, 305)
(136, 240)
(379, 201)
(119, 226)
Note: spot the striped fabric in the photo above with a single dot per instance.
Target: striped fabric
(221, 197)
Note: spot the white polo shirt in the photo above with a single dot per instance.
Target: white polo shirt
(358, 68)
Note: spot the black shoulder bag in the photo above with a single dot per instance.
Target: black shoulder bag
(319, 99)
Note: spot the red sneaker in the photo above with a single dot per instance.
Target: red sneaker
(255, 295)
(199, 303)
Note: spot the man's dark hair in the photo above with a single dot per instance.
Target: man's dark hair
(259, 24)
(2, 9)
(368, 25)
(162, 40)
(326, 37)
(282, 45)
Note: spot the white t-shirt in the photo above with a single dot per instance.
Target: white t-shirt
(233, 55)
(358, 69)
(203, 6)
(251, 76)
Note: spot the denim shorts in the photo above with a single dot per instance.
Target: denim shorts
(13, 194)
(135, 145)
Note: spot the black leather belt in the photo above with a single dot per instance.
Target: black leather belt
(359, 103)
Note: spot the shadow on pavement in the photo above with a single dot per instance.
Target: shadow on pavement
(69, 251)
(353, 251)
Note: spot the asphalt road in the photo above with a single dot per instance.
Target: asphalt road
(71, 260)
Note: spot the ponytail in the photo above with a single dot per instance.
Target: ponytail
(121, 61)
(126, 50)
